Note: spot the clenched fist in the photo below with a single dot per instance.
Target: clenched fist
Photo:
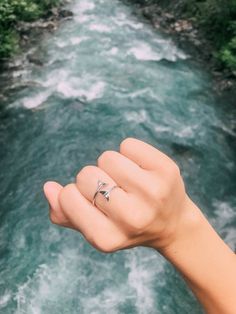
(145, 208)
(137, 197)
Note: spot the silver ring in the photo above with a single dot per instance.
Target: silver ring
(105, 193)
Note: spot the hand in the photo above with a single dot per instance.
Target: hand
(145, 209)
(149, 208)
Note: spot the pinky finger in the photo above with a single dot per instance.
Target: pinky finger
(52, 191)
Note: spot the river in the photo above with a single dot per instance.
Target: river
(106, 75)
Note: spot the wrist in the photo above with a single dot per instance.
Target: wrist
(189, 222)
(206, 262)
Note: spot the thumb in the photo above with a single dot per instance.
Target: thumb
(51, 191)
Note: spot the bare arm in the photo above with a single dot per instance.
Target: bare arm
(206, 262)
(149, 207)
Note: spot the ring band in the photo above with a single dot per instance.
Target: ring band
(105, 193)
(99, 187)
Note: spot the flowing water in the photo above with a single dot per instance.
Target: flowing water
(106, 75)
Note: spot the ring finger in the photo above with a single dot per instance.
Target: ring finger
(119, 200)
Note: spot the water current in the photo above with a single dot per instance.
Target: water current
(106, 75)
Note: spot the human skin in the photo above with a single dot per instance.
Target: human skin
(149, 208)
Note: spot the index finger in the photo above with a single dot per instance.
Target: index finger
(143, 154)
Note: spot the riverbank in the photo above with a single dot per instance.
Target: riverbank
(18, 19)
(170, 20)
(190, 35)
(29, 33)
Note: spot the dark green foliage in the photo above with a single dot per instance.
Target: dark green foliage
(218, 19)
(13, 11)
(227, 54)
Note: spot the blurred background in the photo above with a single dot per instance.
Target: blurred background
(75, 90)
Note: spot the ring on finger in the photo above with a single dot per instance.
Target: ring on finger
(105, 193)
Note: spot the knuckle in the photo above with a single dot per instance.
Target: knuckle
(140, 223)
(126, 143)
(173, 170)
(152, 188)
(105, 157)
(153, 191)
(163, 198)
(163, 192)
(175, 173)
(84, 172)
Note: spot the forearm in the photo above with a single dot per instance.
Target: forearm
(205, 261)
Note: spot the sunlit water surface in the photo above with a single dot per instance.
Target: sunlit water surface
(106, 75)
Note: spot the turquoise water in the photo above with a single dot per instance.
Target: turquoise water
(106, 75)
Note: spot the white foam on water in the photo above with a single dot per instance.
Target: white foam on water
(186, 131)
(5, 298)
(230, 237)
(82, 11)
(113, 51)
(122, 20)
(107, 301)
(67, 91)
(65, 282)
(94, 91)
(83, 6)
(144, 268)
(101, 28)
(137, 116)
(20, 242)
(108, 298)
(47, 285)
(52, 79)
(144, 52)
(166, 51)
(58, 58)
(37, 100)
(20, 73)
(224, 211)
(140, 93)
(228, 128)
(28, 295)
(82, 18)
(77, 40)
(161, 128)
(73, 87)
(225, 215)
(61, 44)
(169, 50)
